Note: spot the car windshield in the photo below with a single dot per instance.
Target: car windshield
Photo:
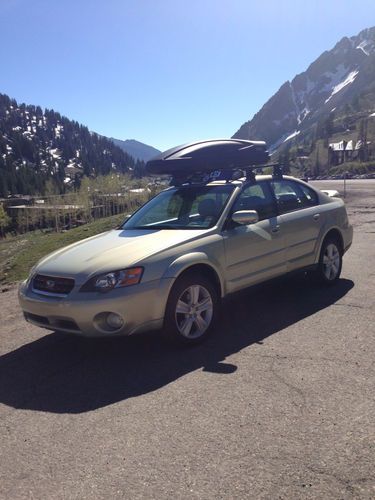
(186, 207)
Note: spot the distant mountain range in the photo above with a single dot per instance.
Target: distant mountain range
(340, 81)
(136, 149)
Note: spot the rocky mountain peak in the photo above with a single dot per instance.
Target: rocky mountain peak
(333, 79)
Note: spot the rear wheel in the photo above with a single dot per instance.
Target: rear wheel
(191, 309)
(330, 262)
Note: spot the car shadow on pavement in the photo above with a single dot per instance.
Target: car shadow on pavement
(66, 374)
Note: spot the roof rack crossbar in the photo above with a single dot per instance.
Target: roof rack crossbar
(227, 175)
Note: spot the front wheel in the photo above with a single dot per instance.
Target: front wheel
(191, 310)
(330, 262)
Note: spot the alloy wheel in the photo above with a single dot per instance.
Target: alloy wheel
(331, 262)
(194, 311)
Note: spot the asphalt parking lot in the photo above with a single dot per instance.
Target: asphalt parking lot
(279, 404)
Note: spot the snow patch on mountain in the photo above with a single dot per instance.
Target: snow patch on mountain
(362, 46)
(367, 46)
(334, 77)
(303, 115)
(348, 80)
(55, 153)
(274, 147)
(294, 134)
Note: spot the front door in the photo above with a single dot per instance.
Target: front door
(256, 252)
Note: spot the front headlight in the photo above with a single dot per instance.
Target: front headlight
(31, 275)
(115, 279)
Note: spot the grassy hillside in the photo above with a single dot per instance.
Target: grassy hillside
(19, 254)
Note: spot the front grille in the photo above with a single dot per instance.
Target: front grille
(52, 284)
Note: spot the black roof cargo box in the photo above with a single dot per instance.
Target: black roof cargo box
(205, 156)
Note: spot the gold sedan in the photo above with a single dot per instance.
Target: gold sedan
(169, 265)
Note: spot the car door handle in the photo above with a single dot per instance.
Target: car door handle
(316, 216)
(275, 229)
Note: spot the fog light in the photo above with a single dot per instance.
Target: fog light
(114, 321)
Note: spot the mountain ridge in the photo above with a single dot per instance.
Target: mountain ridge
(136, 149)
(39, 145)
(334, 79)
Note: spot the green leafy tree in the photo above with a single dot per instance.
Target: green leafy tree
(4, 220)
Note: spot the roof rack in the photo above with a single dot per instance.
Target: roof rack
(277, 170)
(226, 175)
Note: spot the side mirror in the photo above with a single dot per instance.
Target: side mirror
(245, 217)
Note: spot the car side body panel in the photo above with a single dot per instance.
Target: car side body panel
(253, 253)
(302, 229)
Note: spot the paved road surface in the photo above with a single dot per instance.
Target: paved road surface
(279, 404)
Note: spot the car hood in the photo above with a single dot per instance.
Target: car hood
(116, 249)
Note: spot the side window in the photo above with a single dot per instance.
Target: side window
(257, 197)
(292, 196)
(311, 198)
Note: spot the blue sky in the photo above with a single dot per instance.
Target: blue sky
(165, 72)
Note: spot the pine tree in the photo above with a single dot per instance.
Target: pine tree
(329, 125)
(285, 160)
(317, 163)
(362, 136)
(3, 184)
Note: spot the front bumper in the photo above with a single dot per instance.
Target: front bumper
(142, 307)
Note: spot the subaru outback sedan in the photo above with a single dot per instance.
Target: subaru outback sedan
(169, 264)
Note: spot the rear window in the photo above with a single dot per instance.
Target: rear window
(291, 195)
(257, 197)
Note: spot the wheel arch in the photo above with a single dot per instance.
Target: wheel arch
(333, 233)
(200, 263)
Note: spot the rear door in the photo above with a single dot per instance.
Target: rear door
(256, 252)
(301, 221)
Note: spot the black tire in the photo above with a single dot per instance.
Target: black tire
(331, 253)
(175, 322)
